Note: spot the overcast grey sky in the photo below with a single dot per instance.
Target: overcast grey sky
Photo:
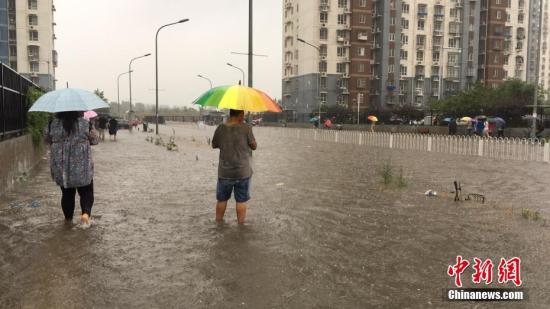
(97, 39)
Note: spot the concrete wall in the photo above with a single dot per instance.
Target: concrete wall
(17, 156)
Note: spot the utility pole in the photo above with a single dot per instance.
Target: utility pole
(537, 70)
(250, 44)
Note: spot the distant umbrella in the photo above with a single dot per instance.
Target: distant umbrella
(497, 120)
(448, 120)
(466, 119)
(373, 118)
(90, 115)
(481, 117)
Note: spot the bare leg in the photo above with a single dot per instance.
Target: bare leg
(241, 212)
(220, 211)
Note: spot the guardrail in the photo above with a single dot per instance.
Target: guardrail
(498, 148)
(13, 99)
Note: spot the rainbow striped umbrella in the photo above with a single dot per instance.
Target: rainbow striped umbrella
(239, 98)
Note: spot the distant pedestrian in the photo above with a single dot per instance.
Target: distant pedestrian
(70, 137)
(480, 127)
(500, 129)
(486, 132)
(102, 126)
(453, 127)
(470, 127)
(236, 143)
(113, 128)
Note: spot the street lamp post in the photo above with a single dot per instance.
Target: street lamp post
(208, 79)
(242, 71)
(318, 80)
(211, 86)
(130, 81)
(118, 89)
(157, 71)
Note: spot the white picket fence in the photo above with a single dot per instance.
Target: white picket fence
(497, 148)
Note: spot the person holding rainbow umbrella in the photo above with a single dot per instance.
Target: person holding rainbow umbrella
(236, 142)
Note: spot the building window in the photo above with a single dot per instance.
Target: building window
(35, 67)
(323, 34)
(33, 4)
(342, 20)
(340, 68)
(341, 51)
(363, 3)
(360, 68)
(361, 51)
(323, 66)
(403, 70)
(404, 55)
(363, 19)
(33, 20)
(323, 18)
(323, 98)
(361, 83)
(342, 3)
(33, 35)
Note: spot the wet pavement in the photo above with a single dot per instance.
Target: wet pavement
(322, 231)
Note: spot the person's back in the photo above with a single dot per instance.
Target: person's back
(236, 143)
(235, 153)
(102, 123)
(480, 126)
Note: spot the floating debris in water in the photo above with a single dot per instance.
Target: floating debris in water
(17, 205)
(280, 184)
(430, 193)
(34, 204)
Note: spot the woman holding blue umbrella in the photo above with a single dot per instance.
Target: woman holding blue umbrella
(70, 137)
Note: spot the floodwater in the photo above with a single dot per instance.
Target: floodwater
(322, 231)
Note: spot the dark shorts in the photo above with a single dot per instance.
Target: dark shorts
(227, 186)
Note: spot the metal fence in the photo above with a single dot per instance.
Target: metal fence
(499, 148)
(13, 102)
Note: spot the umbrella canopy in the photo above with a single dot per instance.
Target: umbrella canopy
(448, 119)
(373, 118)
(68, 100)
(90, 115)
(314, 119)
(239, 98)
(480, 117)
(466, 119)
(496, 120)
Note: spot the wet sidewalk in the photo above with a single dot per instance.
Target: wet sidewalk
(321, 232)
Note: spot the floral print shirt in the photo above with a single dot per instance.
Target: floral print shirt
(71, 156)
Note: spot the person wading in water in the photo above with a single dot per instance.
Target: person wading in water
(70, 137)
(236, 143)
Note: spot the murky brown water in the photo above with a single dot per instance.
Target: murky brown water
(322, 231)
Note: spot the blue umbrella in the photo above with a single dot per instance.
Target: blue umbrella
(447, 119)
(67, 100)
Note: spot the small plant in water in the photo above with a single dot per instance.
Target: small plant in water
(171, 146)
(386, 172)
(159, 141)
(529, 214)
(401, 182)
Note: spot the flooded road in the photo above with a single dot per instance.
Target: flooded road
(322, 231)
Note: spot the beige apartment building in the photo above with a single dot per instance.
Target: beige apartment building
(382, 54)
(32, 40)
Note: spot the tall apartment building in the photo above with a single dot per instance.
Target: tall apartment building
(31, 37)
(334, 64)
(539, 66)
(394, 52)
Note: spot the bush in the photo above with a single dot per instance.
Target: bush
(36, 121)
